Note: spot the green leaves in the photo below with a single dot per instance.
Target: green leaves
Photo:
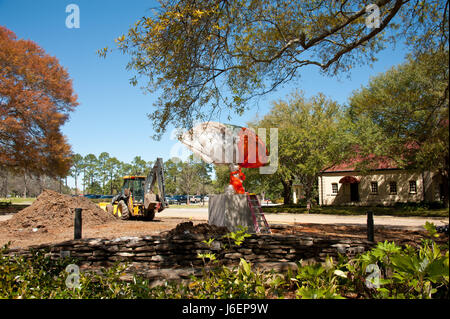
(402, 272)
(211, 56)
(239, 236)
(312, 135)
(403, 114)
(209, 256)
(405, 272)
(245, 267)
(316, 293)
(431, 229)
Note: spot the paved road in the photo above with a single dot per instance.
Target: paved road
(202, 214)
(415, 222)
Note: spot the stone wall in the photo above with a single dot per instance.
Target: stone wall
(159, 257)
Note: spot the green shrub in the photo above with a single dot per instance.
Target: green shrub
(403, 272)
(385, 271)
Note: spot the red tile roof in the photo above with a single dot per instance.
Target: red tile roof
(381, 162)
(373, 162)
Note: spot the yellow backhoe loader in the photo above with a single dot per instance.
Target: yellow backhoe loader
(137, 198)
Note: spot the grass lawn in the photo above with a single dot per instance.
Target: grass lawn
(18, 200)
(356, 210)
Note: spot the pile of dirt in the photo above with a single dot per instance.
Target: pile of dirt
(53, 210)
(187, 228)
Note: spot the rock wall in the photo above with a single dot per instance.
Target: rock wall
(158, 257)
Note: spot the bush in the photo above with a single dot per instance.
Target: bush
(386, 271)
(420, 205)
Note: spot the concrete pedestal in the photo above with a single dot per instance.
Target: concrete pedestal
(230, 211)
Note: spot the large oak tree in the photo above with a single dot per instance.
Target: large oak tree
(404, 114)
(205, 57)
(36, 97)
(312, 134)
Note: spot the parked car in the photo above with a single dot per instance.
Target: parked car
(200, 198)
(106, 196)
(92, 196)
(171, 200)
(195, 199)
(181, 199)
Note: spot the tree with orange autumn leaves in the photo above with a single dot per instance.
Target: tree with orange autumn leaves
(36, 97)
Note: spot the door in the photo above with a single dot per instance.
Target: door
(354, 192)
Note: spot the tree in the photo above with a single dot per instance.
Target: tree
(204, 171)
(171, 174)
(90, 172)
(36, 97)
(139, 166)
(4, 186)
(222, 179)
(269, 186)
(34, 184)
(113, 166)
(406, 110)
(221, 54)
(77, 168)
(103, 159)
(312, 134)
(190, 176)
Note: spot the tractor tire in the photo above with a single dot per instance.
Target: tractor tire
(150, 214)
(125, 213)
(110, 210)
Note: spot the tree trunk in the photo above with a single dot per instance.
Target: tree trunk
(445, 182)
(445, 188)
(24, 184)
(84, 181)
(6, 182)
(287, 192)
(5, 174)
(40, 183)
(308, 196)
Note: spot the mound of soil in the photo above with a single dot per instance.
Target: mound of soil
(52, 210)
(187, 228)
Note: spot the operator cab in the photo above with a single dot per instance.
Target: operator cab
(136, 186)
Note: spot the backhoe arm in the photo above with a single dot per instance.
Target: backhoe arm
(155, 175)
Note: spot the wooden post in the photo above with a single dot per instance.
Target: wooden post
(370, 228)
(77, 223)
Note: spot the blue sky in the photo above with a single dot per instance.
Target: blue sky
(112, 115)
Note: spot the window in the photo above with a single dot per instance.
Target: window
(412, 187)
(393, 187)
(374, 187)
(334, 188)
